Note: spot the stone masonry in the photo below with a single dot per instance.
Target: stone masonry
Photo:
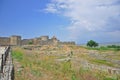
(43, 40)
(6, 65)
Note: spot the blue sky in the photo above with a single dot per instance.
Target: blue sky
(76, 20)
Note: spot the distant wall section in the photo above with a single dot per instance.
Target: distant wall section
(15, 40)
(67, 43)
(4, 41)
(43, 40)
(26, 41)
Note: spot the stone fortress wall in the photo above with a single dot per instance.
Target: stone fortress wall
(43, 40)
(4, 41)
(15, 40)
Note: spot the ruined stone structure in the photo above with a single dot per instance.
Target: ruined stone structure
(15, 40)
(43, 40)
(6, 65)
(67, 43)
(4, 41)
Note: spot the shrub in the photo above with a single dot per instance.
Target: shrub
(92, 43)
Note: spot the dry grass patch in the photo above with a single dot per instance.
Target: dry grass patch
(41, 64)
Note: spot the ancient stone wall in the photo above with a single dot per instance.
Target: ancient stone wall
(85, 64)
(67, 43)
(15, 40)
(4, 41)
(43, 40)
(26, 41)
(36, 41)
(6, 65)
(48, 42)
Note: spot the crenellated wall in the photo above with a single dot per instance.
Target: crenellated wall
(4, 41)
(13, 40)
(43, 40)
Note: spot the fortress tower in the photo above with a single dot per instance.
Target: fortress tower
(15, 40)
(44, 38)
(54, 40)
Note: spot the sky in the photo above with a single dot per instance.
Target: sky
(68, 20)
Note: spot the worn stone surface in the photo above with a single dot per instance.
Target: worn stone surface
(4, 41)
(7, 69)
(15, 40)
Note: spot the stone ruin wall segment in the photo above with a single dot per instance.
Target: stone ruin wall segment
(43, 40)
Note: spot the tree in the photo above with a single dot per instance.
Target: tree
(92, 43)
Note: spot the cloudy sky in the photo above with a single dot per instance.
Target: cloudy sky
(76, 20)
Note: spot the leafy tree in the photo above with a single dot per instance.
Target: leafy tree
(92, 43)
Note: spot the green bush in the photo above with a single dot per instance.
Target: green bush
(92, 43)
(117, 48)
(113, 46)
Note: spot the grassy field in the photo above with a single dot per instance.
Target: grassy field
(50, 63)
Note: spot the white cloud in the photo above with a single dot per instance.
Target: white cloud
(87, 16)
(51, 8)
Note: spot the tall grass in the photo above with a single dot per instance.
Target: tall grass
(44, 67)
(17, 54)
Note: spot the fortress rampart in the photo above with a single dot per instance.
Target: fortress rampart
(4, 41)
(43, 40)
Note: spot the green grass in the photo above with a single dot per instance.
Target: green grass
(36, 72)
(74, 77)
(103, 48)
(17, 54)
(110, 78)
(103, 62)
(66, 67)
